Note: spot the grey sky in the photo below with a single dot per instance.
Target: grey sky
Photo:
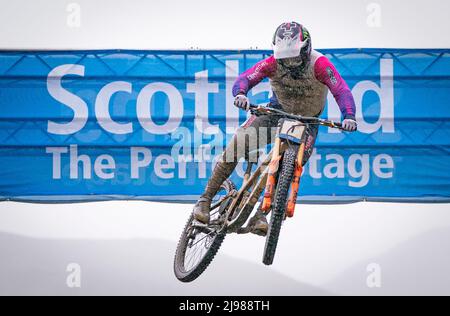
(144, 24)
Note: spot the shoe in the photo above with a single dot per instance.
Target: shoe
(202, 209)
(259, 225)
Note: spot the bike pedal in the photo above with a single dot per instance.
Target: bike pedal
(259, 232)
(243, 230)
(198, 224)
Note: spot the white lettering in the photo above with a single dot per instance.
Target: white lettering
(383, 161)
(56, 153)
(363, 174)
(386, 94)
(74, 163)
(338, 165)
(162, 163)
(102, 108)
(75, 103)
(175, 102)
(201, 89)
(137, 163)
(104, 170)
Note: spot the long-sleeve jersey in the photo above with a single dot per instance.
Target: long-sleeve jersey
(305, 95)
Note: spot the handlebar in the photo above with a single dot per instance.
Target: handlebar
(265, 110)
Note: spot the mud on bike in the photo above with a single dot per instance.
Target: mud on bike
(279, 175)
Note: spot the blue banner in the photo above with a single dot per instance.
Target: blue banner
(97, 125)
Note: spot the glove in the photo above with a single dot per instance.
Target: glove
(242, 102)
(349, 125)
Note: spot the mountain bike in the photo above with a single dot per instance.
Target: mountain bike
(279, 175)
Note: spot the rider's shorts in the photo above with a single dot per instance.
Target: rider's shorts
(255, 134)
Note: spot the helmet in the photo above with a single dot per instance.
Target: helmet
(292, 45)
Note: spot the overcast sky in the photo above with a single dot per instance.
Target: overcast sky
(175, 24)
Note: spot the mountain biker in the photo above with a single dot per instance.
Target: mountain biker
(300, 79)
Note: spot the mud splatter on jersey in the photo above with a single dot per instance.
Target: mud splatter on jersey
(305, 94)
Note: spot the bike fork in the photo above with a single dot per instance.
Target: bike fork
(295, 182)
(271, 178)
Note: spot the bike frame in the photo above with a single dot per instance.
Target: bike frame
(244, 200)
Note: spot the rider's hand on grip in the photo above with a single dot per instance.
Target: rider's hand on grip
(242, 102)
(349, 125)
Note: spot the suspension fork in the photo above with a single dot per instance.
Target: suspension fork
(272, 176)
(295, 182)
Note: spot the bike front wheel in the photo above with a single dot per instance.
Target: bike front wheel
(279, 205)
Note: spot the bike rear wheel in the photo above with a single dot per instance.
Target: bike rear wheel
(198, 245)
(279, 203)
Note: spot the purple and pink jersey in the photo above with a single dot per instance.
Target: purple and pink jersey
(305, 95)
